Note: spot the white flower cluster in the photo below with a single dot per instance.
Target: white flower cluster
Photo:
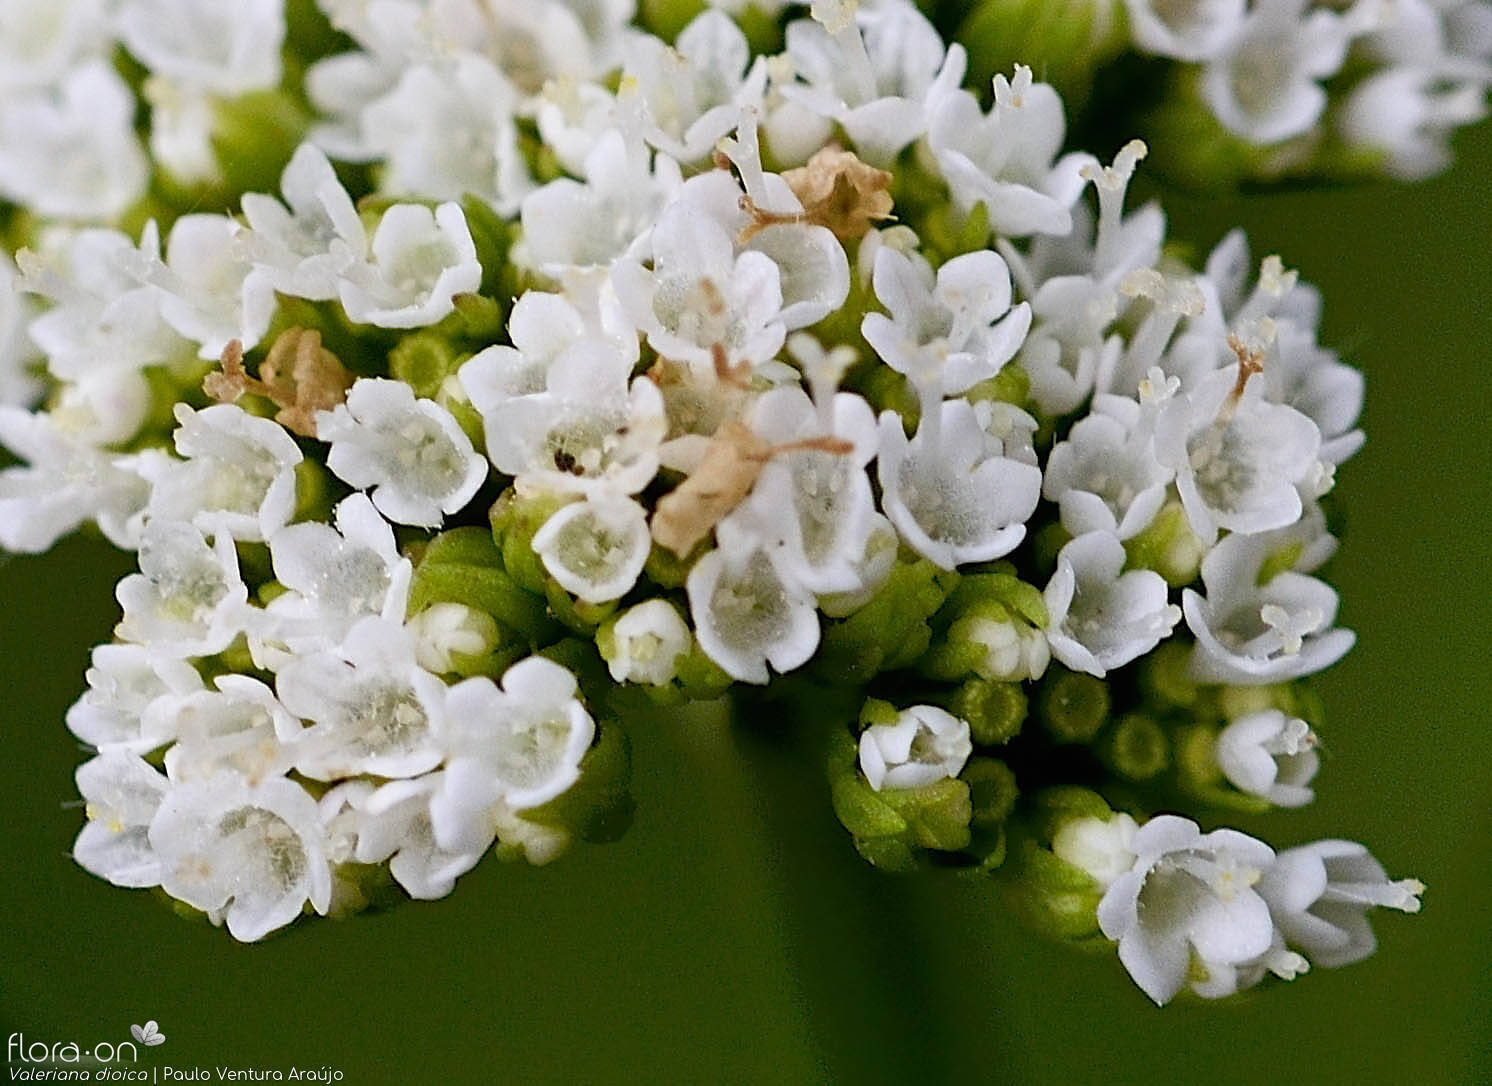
(1217, 912)
(357, 753)
(68, 147)
(694, 377)
(1411, 71)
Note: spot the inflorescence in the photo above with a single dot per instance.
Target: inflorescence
(569, 371)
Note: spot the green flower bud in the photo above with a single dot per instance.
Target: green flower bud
(995, 710)
(1065, 42)
(893, 827)
(889, 632)
(577, 614)
(493, 240)
(453, 398)
(1050, 895)
(1072, 705)
(464, 566)
(701, 678)
(994, 623)
(1163, 676)
(1237, 701)
(947, 234)
(1010, 385)
(423, 360)
(316, 492)
(357, 887)
(454, 639)
(992, 790)
(1168, 546)
(1137, 748)
(1200, 775)
(514, 521)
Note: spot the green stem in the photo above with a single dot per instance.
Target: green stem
(880, 1007)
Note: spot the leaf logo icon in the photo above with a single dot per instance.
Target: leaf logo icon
(148, 1035)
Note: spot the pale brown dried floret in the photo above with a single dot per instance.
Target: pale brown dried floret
(720, 482)
(316, 379)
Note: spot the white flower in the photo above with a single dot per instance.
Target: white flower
(1104, 477)
(953, 493)
(103, 408)
(1310, 378)
(515, 747)
(1188, 902)
(444, 630)
(418, 461)
(123, 681)
(182, 122)
(1237, 457)
(589, 431)
(873, 71)
(1320, 895)
(813, 273)
(447, 130)
(1100, 617)
(747, 611)
(871, 568)
(19, 387)
(302, 249)
(692, 92)
(188, 598)
(816, 502)
(422, 259)
(925, 745)
(1004, 159)
(534, 43)
(569, 225)
(70, 152)
(948, 336)
(1168, 300)
(392, 37)
(1270, 755)
(372, 708)
(64, 483)
(238, 477)
(122, 793)
(41, 40)
(542, 327)
(1190, 30)
(250, 856)
(228, 50)
(393, 824)
(336, 576)
(1264, 85)
(239, 728)
(595, 547)
(572, 117)
(701, 298)
(1252, 633)
(1102, 847)
(1408, 115)
(646, 643)
(207, 291)
(101, 317)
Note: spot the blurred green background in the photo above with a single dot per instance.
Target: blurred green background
(733, 936)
